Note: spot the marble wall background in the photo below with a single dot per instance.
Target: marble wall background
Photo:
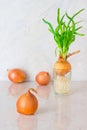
(26, 43)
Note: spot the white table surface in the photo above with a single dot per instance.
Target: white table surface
(54, 112)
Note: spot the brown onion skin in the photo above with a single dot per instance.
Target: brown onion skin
(62, 67)
(43, 78)
(27, 104)
(16, 75)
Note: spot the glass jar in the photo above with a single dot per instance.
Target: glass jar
(62, 83)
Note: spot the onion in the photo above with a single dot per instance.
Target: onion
(16, 75)
(62, 66)
(42, 78)
(27, 103)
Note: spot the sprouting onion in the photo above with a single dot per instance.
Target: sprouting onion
(65, 32)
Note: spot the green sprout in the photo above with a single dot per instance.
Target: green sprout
(65, 32)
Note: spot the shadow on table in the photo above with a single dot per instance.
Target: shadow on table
(27, 122)
(16, 89)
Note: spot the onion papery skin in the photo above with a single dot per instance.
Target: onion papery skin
(62, 67)
(27, 103)
(16, 75)
(43, 78)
